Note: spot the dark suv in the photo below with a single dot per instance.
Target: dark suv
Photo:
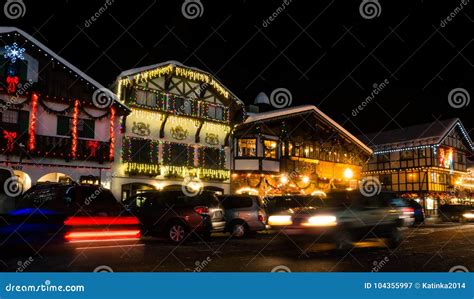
(56, 213)
(177, 215)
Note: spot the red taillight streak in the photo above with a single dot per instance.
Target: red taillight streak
(261, 217)
(100, 220)
(102, 235)
(201, 210)
(408, 211)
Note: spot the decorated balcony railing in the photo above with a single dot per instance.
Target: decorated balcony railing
(61, 147)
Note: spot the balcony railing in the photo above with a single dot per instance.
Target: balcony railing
(56, 147)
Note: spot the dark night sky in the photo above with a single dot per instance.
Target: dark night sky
(332, 64)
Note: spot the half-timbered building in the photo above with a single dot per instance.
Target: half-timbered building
(56, 123)
(179, 129)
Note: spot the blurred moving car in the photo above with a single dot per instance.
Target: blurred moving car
(275, 206)
(407, 212)
(343, 217)
(244, 214)
(458, 213)
(176, 214)
(55, 213)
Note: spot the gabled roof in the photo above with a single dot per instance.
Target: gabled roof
(426, 134)
(292, 111)
(8, 30)
(134, 71)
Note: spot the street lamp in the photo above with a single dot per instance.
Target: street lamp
(348, 173)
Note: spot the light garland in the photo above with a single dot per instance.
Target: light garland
(32, 128)
(178, 71)
(141, 168)
(112, 134)
(75, 116)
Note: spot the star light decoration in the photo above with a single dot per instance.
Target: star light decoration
(14, 52)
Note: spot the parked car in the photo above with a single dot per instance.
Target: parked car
(54, 213)
(177, 215)
(343, 217)
(458, 213)
(244, 214)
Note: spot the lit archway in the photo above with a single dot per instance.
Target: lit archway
(24, 179)
(55, 177)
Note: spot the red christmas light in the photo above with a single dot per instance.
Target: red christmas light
(93, 145)
(32, 129)
(75, 116)
(10, 137)
(112, 134)
(12, 82)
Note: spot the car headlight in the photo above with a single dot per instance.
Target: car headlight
(321, 220)
(468, 215)
(280, 220)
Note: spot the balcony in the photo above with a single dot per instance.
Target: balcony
(54, 147)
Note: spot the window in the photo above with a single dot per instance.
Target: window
(146, 98)
(215, 112)
(140, 150)
(247, 147)
(85, 127)
(183, 106)
(10, 116)
(406, 155)
(270, 149)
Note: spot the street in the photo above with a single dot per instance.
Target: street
(426, 248)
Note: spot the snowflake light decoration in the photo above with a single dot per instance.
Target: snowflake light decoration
(14, 52)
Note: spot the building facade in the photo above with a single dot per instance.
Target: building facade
(297, 150)
(52, 130)
(426, 162)
(179, 129)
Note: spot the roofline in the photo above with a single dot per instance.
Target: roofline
(134, 71)
(446, 132)
(302, 109)
(60, 59)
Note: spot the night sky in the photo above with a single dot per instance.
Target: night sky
(324, 52)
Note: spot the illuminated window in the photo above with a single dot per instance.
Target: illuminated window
(270, 149)
(247, 147)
